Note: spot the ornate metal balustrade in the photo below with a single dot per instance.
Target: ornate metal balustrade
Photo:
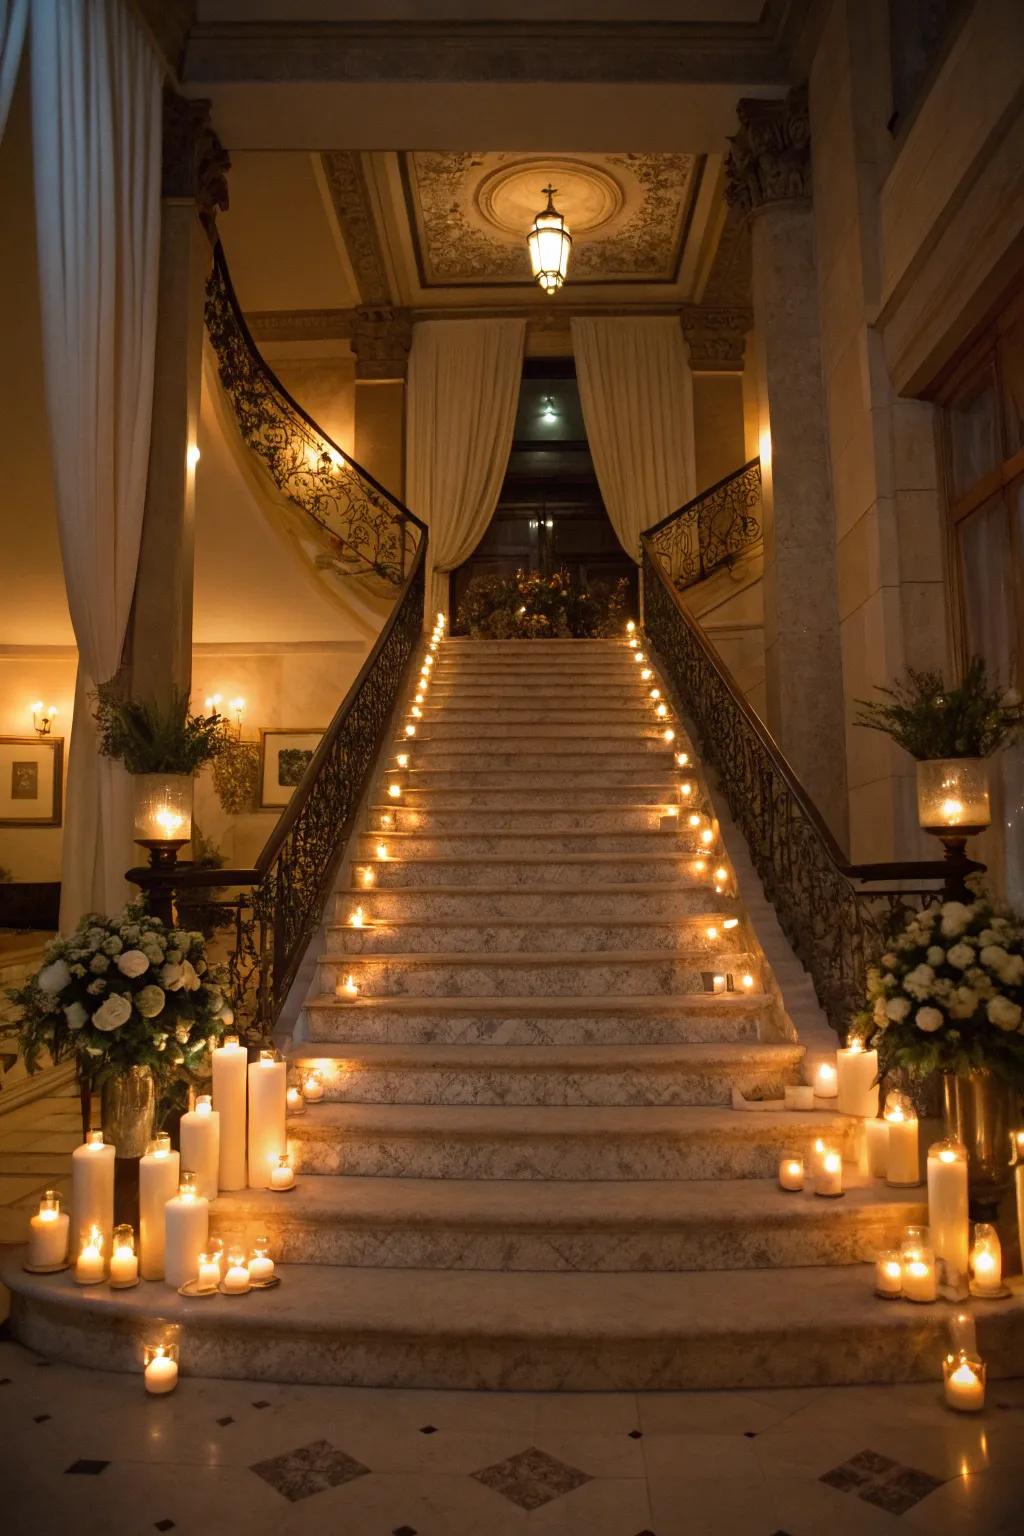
(711, 530)
(275, 906)
(834, 927)
(368, 531)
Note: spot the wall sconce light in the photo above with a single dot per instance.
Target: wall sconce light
(212, 703)
(42, 717)
(192, 455)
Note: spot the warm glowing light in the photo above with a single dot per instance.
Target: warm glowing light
(348, 988)
(630, 627)
(721, 873)
(402, 759)
(639, 656)
(646, 675)
(382, 850)
(731, 922)
(549, 243)
(707, 836)
(169, 822)
(387, 821)
(711, 933)
(699, 866)
(416, 712)
(952, 810)
(192, 455)
(357, 918)
(682, 758)
(686, 789)
(693, 819)
(367, 876)
(671, 810)
(668, 735)
(655, 693)
(395, 791)
(212, 704)
(661, 711)
(748, 981)
(410, 730)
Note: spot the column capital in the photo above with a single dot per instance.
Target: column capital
(770, 159)
(715, 336)
(381, 338)
(195, 162)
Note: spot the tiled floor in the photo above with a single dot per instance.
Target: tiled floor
(232, 1456)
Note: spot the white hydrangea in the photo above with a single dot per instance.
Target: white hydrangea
(132, 962)
(936, 955)
(76, 1015)
(918, 982)
(961, 956)
(897, 1009)
(54, 977)
(964, 1003)
(1003, 1013)
(955, 918)
(928, 1019)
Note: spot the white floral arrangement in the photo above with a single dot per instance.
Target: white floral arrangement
(121, 992)
(948, 994)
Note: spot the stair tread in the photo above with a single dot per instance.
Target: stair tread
(522, 957)
(677, 1002)
(516, 1120)
(579, 1205)
(550, 1057)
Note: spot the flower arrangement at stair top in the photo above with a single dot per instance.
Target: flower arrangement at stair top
(120, 993)
(529, 606)
(948, 993)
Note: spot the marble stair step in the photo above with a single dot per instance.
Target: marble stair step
(593, 775)
(556, 1143)
(535, 870)
(644, 756)
(590, 902)
(491, 731)
(744, 1329)
(698, 935)
(546, 1074)
(629, 691)
(686, 1019)
(539, 974)
(547, 819)
(622, 799)
(686, 843)
(440, 714)
(662, 1226)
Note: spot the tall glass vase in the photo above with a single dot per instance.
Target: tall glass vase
(980, 1110)
(127, 1110)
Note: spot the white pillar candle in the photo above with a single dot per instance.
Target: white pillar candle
(236, 1277)
(948, 1218)
(828, 1178)
(791, 1173)
(200, 1145)
(876, 1134)
(208, 1272)
(92, 1190)
(919, 1275)
(1018, 1179)
(48, 1233)
(161, 1369)
(856, 1080)
(187, 1219)
(229, 1065)
(964, 1383)
(282, 1175)
(267, 1088)
(902, 1168)
(90, 1266)
(888, 1273)
(159, 1176)
(825, 1081)
(261, 1265)
(986, 1262)
(124, 1262)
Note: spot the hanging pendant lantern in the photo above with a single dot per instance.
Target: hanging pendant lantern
(549, 242)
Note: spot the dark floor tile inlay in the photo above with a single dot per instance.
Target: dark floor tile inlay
(309, 1469)
(404, 1530)
(225, 1421)
(41, 1418)
(636, 1434)
(87, 1468)
(262, 1403)
(163, 1525)
(750, 1434)
(532, 1478)
(881, 1481)
(429, 1429)
(5, 1381)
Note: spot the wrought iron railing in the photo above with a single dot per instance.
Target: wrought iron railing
(711, 530)
(368, 531)
(835, 927)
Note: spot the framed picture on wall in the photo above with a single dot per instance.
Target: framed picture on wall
(284, 758)
(31, 781)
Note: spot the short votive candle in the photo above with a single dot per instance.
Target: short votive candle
(160, 1368)
(919, 1275)
(828, 1180)
(791, 1173)
(963, 1379)
(826, 1084)
(90, 1267)
(236, 1277)
(208, 1272)
(261, 1265)
(124, 1261)
(283, 1175)
(986, 1262)
(48, 1233)
(313, 1086)
(294, 1102)
(348, 990)
(889, 1273)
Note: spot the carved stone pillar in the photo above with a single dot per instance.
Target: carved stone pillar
(768, 180)
(158, 651)
(381, 338)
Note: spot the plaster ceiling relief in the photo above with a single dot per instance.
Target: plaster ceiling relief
(470, 212)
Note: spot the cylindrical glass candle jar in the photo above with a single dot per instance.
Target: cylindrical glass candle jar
(963, 1378)
(162, 807)
(952, 794)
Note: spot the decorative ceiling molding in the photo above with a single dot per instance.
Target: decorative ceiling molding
(484, 50)
(469, 212)
(350, 198)
(715, 337)
(770, 159)
(300, 324)
(195, 163)
(729, 281)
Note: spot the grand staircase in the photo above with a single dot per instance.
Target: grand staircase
(527, 1170)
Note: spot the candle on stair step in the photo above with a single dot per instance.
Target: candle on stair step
(828, 1179)
(159, 1176)
(90, 1266)
(48, 1233)
(200, 1144)
(888, 1274)
(902, 1168)
(92, 1190)
(918, 1261)
(857, 1080)
(187, 1227)
(230, 1060)
(791, 1174)
(876, 1146)
(267, 1114)
(825, 1081)
(124, 1261)
(948, 1216)
(986, 1261)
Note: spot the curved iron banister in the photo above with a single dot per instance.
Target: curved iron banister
(276, 916)
(370, 531)
(712, 529)
(834, 928)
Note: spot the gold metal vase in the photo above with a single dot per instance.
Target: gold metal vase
(127, 1110)
(980, 1110)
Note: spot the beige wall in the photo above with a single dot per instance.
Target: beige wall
(718, 429)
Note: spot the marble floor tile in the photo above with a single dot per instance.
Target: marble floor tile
(712, 1413)
(682, 1506)
(730, 1458)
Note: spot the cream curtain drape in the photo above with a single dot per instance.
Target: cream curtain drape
(462, 394)
(637, 400)
(96, 121)
(13, 17)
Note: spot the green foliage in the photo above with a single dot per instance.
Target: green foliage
(533, 607)
(236, 777)
(149, 737)
(929, 720)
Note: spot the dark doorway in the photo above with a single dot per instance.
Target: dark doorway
(550, 514)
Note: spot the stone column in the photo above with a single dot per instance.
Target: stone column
(158, 647)
(768, 179)
(381, 338)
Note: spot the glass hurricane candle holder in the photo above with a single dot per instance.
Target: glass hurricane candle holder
(261, 1265)
(90, 1266)
(124, 1261)
(791, 1174)
(237, 1279)
(919, 1281)
(162, 809)
(953, 795)
(208, 1272)
(963, 1378)
(313, 1086)
(282, 1175)
(828, 1179)
(888, 1274)
(986, 1263)
(826, 1082)
(160, 1368)
(294, 1102)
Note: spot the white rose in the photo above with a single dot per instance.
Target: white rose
(955, 917)
(132, 962)
(1003, 1014)
(191, 980)
(76, 1015)
(172, 978)
(53, 977)
(964, 1003)
(928, 1019)
(936, 955)
(897, 1009)
(117, 1010)
(961, 956)
(150, 1001)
